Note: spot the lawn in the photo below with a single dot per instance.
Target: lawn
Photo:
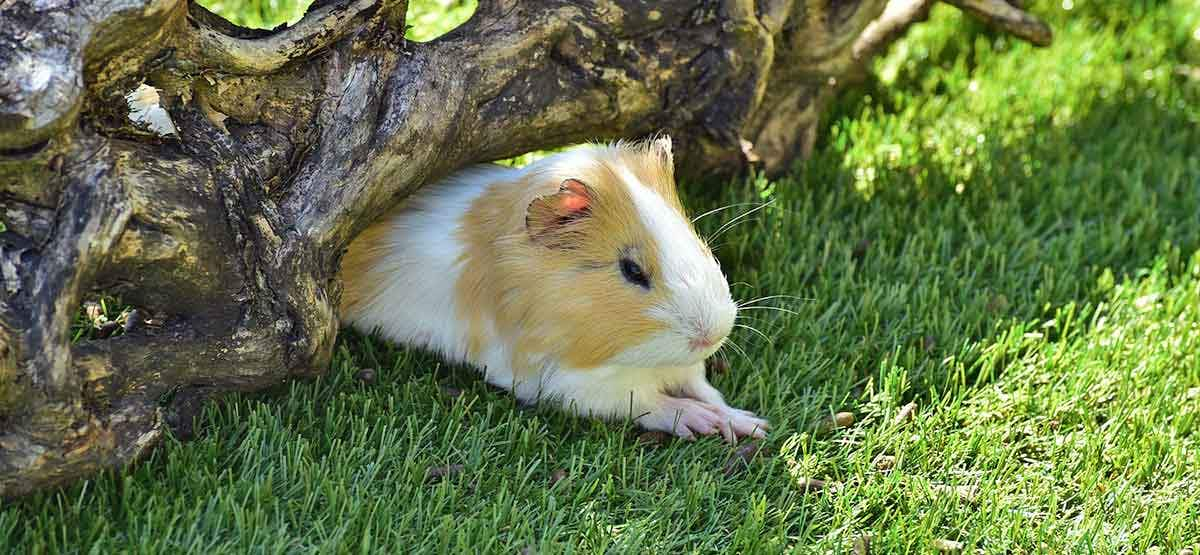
(1005, 238)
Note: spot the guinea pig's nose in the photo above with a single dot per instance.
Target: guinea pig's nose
(702, 341)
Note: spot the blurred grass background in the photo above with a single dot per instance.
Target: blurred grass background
(1005, 236)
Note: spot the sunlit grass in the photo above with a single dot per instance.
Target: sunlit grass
(259, 14)
(432, 18)
(1035, 293)
(426, 20)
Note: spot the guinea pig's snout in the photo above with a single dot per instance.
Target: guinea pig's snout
(714, 328)
(703, 340)
(725, 316)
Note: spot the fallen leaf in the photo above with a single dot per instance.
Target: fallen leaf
(717, 365)
(145, 109)
(741, 457)
(653, 439)
(1146, 302)
(216, 117)
(438, 473)
(107, 329)
(134, 320)
(862, 544)
(839, 420)
(748, 151)
(964, 493)
(843, 419)
(93, 311)
(941, 544)
(860, 250)
(998, 303)
(812, 485)
(366, 375)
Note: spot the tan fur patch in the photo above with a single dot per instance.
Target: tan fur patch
(652, 163)
(359, 283)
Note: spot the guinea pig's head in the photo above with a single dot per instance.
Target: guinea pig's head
(629, 281)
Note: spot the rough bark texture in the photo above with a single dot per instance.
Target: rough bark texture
(290, 142)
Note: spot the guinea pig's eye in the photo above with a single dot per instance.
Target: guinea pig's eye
(634, 273)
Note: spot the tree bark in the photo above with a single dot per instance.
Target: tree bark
(287, 143)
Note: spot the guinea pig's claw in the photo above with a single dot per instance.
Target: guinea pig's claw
(744, 424)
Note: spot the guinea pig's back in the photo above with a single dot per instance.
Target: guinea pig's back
(399, 275)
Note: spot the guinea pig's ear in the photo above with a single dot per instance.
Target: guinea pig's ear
(660, 149)
(548, 217)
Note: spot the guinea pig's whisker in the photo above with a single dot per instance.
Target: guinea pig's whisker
(737, 220)
(725, 226)
(717, 247)
(733, 345)
(722, 209)
(765, 307)
(756, 331)
(753, 302)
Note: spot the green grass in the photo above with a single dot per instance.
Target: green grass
(1007, 237)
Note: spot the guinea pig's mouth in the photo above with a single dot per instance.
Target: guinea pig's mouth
(704, 340)
(702, 349)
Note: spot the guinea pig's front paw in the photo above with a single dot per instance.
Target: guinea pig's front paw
(688, 418)
(744, 423)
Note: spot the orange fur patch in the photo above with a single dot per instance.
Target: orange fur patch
(360, 284)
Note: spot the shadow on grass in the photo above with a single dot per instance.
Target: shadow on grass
(920, 274)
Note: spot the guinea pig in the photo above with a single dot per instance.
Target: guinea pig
(577, 280)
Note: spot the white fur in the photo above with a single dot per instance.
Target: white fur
(660, 383)
(416, 304)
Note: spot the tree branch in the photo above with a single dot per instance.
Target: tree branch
(896, 18)
(1009, 18)
(206, 43)
(47, 424)
(90, 218)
